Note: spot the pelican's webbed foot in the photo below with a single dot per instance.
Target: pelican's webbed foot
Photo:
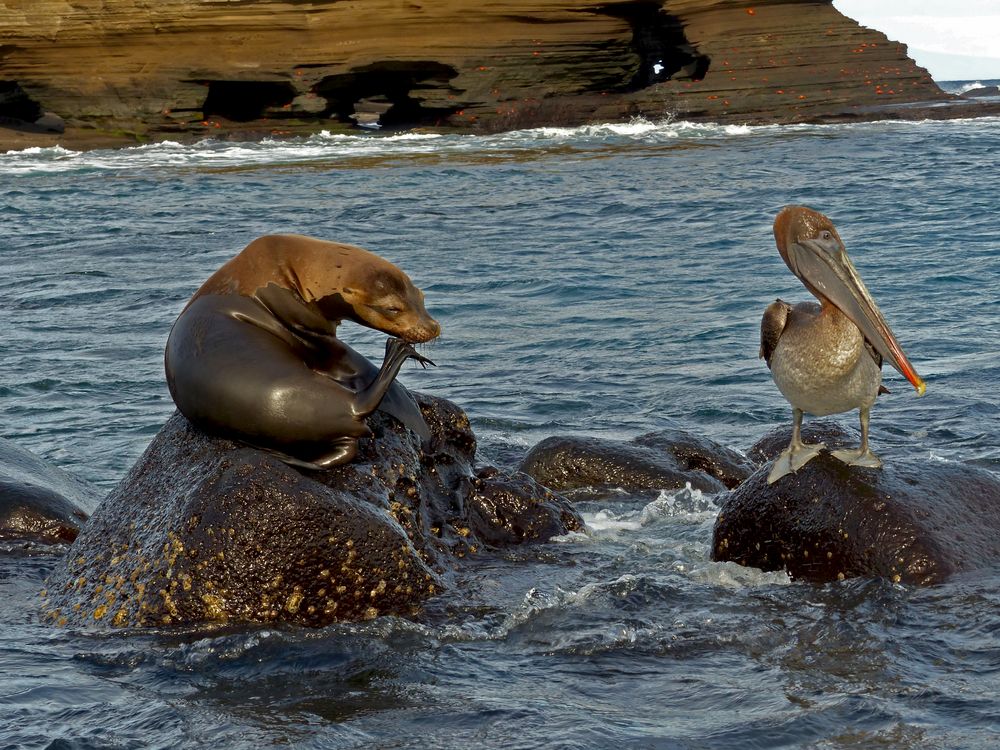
(797, 454)
(858, 457)
(862, 455)
(793, 458)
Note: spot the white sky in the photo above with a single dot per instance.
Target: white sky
(954, 39)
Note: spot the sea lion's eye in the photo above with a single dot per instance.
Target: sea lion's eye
(388, 311)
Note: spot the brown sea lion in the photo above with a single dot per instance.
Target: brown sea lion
(254, 354)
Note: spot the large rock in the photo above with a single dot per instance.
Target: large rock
(189, 67)
(38, 502)
(205, 530)
(916, 520)
(658, 461)
(982, 91)
(507, 508)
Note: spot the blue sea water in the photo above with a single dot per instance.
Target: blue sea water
(606, 280)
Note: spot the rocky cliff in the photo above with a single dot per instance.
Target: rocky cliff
(152, 69)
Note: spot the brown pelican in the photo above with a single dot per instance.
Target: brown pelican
(826, 358)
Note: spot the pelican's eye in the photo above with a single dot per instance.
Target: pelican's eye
(826, 235)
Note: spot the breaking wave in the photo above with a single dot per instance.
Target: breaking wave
(343, 149)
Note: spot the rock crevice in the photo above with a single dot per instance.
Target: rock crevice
(279, 67)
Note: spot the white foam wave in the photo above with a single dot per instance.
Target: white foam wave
(212, 153)
(45, 151)
(685, 504)
(326, 147)
(688, 502)
(321, 146)
(571, 537)
(604, 521)
(638, 127)
(733, 576)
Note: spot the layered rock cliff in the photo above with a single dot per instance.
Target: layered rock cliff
(163, 68)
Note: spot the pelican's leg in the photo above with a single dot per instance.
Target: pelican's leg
(797, 454)
(863, 456)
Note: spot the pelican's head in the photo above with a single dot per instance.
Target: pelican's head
(812, 249)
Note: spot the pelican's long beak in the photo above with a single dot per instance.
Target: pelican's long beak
(824, 267)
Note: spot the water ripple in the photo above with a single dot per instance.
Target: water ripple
(604, 280)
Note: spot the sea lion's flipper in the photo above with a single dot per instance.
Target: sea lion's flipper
(284, 457)
(295, 313)
(399, 403)
(373, 396)
(342, 451)
(355, 371)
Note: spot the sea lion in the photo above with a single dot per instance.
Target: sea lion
(254, 354)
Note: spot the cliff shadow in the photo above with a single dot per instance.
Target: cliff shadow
(244, 101)
(390, 93)
(660, 43)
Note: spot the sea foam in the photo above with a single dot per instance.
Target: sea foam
(341, 148)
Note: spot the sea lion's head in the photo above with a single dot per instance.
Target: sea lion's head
(344, 282)
(380, 296)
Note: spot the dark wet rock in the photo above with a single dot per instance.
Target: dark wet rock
(511, 508)
(983, 91)
(39, 502)
(915, 521)
(658, 461)
(696, 453)
(205, 530)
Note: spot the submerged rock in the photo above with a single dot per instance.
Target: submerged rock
(914, 521)
(657, 461)
(982, 91)
(206, 530)
(38, 502)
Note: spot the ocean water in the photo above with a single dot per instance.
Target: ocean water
(606, 280)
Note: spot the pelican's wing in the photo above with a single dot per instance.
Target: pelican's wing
(878, 360)
(772, 325)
